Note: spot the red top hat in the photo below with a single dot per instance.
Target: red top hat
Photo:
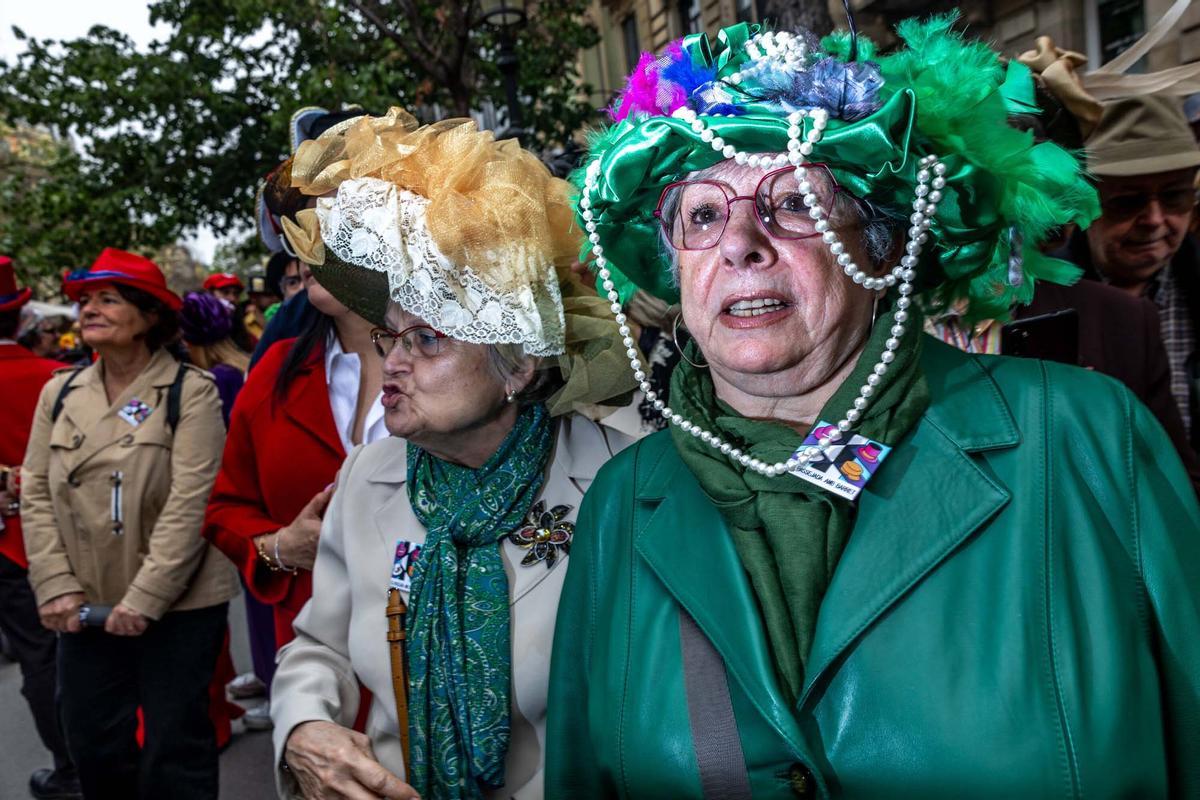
(127, 269)
(222, 280)
(11, 298)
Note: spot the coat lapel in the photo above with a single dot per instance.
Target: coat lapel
(308, 407)
(90, 412)
(86, 403)
(903, 531)
(580, 450)
(929, 498)
(392, 470)
(687, 544)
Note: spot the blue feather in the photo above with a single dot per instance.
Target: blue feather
(688, 75)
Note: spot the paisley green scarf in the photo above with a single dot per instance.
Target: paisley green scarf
(459, 644)
(789, 533)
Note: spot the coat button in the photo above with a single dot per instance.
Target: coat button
(801, 780)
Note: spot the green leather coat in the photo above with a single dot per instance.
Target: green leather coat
(1016, 614)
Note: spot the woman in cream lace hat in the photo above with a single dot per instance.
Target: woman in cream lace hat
(445, 546)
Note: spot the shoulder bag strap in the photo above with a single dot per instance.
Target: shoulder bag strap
(396, 634)
(175, 399)
(62, 394)
(710, 712)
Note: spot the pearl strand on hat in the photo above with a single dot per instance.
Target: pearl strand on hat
(767, 49)
(930, 173)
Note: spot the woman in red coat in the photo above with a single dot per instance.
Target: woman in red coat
(303, 407)
(23, 374)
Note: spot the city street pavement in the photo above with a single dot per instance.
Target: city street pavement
(245, 764)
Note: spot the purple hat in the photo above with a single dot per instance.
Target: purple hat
(204, 319)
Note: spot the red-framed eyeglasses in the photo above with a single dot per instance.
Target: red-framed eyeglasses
(695, 213)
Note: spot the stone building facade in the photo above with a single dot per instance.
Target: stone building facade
(1098, 28)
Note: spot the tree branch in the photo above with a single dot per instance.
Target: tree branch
(371, 16)
(414, 17)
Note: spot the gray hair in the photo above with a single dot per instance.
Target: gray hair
(878, 237)
(508, 360)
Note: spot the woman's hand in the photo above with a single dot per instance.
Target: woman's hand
(297, 543)
(62, 613)
(124, 621)
(10, 491)
(335, 763)
(12, 481)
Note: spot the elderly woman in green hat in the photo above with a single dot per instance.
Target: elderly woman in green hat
(861, 563)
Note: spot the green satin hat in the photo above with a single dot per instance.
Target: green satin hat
(938, 95)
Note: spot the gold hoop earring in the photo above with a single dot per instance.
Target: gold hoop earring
(675, 339)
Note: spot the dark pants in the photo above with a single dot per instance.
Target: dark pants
(103, 679)
(34, 648)
(260, 627)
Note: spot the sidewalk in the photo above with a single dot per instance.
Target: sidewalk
(246, 772)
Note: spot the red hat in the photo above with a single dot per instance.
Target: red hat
(222, 280)
(127, 269)
(11, 298)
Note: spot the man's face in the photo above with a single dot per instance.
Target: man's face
(1143, 221)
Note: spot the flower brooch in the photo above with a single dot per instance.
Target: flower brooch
(544, 534)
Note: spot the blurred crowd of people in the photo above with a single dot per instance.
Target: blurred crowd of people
(163, 452)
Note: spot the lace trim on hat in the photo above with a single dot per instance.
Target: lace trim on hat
(372, 223)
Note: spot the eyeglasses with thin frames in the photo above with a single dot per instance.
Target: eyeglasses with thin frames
(417, 340)
(1124, 207)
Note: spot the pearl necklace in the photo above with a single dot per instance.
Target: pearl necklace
(931, 173)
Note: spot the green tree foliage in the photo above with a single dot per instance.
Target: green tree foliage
(179, 134)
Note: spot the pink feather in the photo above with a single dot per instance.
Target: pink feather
(641, 93)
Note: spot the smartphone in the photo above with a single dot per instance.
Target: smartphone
(1050, 337)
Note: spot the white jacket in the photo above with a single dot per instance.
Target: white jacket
(341, 632)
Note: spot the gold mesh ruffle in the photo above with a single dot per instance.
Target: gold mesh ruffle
(492, 206)
(305, 236)
(488, 200)
(595, 365)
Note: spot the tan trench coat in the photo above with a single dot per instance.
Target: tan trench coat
(92, 469)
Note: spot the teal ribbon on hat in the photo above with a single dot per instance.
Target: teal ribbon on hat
(459, 644)
(726, 53)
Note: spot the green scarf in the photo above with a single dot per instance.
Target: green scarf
(459, 643)
(789, 533)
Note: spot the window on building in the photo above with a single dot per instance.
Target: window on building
(633, 48)
(689, 16)
(1111, 26)
(1122, 22)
